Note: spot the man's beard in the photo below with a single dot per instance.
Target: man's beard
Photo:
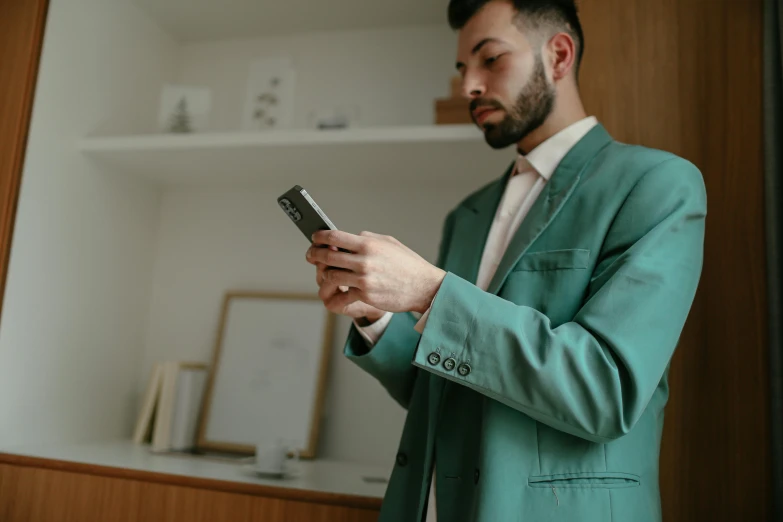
(534, 104)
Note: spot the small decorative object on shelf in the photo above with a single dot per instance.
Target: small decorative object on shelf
(184, 109)
(338, 117)
(180, 120)
(455, 109)
(265, 103)
(270, 91)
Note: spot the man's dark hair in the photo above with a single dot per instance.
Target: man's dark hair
(561, 14)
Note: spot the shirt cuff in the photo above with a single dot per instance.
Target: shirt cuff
(419, 327)
(373, 332)
(422, 322)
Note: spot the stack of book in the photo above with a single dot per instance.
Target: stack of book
(455, 109)
(169, 414)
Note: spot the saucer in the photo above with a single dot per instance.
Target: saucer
(263, 473)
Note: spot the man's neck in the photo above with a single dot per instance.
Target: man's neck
(560, 118)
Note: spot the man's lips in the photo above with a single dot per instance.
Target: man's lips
(483, 113)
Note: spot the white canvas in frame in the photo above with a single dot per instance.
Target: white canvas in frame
(268, 374)
(269, 100)
(184, 108)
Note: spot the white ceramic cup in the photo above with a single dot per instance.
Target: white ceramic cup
(272, 457)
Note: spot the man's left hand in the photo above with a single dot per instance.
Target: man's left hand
(379, 270)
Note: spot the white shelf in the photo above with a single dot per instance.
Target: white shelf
(379, 156)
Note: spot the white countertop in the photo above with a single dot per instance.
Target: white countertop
(322, 476)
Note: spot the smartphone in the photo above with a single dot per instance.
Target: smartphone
(304, 212)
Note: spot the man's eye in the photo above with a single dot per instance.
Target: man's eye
(491, 60)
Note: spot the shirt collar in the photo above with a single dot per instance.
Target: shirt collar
(545, 158)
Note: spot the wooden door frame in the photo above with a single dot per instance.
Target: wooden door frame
(22, 24)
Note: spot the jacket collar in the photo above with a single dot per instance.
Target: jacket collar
(475, 215)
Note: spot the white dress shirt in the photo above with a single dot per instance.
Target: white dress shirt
(530, 174)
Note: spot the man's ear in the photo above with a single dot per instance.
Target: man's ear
(562, 55)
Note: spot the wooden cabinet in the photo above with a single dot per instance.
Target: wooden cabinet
(43, 489)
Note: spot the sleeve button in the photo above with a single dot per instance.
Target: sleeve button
(464, 369)
(450, 363)
(402, 459)
(433, 358)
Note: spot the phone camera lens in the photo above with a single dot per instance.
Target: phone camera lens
(290, 210)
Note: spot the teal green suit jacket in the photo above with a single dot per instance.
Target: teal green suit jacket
(542, 398)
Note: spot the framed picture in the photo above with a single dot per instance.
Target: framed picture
(268, 373)
(269, 100)
(184, 109)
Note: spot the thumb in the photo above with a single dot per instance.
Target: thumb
(341, 300)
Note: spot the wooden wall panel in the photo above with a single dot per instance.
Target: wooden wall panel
(29, 494)
(21, 38)
(609, 78)
(686, 76)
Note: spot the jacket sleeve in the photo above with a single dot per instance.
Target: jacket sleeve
(389, 360)
(591, 377)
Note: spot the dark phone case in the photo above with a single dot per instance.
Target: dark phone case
(304, 212)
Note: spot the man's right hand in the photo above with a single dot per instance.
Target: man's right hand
(362, 312)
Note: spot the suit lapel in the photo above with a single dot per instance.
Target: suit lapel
(552, 198)
(474, 219)
(471, 227)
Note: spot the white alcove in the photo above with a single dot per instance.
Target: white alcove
(127, 238)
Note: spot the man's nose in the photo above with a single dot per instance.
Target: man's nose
(472, 87)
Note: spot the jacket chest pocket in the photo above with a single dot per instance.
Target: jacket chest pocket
(572, 259)
(553, 282)
(595, 479)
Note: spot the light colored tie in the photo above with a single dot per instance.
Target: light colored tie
(522, 165)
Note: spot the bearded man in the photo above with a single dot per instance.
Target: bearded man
(532, 357)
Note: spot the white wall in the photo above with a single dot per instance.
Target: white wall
(216, 240)
(108, 276)
(393, 75)
(77, 296)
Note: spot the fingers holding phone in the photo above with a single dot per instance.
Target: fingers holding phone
(320, 273)
(338, 299)
(304, 212)
(345, 301)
